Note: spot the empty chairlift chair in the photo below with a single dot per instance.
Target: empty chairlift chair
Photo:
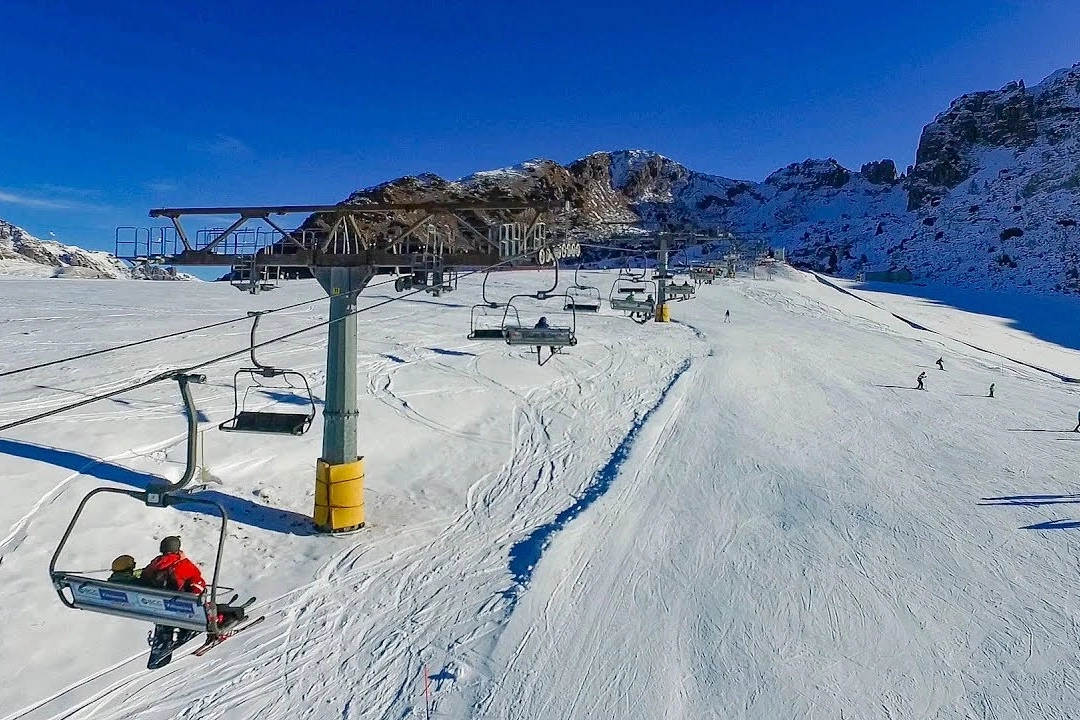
(270, 381)
(491, 332)
(583, 297)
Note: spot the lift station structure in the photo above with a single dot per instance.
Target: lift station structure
(344, 246)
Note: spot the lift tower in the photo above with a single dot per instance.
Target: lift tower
(343, 246)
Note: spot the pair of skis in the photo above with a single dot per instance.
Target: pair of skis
(161, 651)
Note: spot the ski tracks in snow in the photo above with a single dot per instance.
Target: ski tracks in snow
(352, 642)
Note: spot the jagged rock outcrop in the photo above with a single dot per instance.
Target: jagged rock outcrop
(23, 254)
(993, 160)
(1011, 117)
(880, 172)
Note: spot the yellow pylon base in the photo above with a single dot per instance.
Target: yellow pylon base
(339, 496)
(663, 313)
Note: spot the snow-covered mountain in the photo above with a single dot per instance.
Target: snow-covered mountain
(992, 201)
(22, 254)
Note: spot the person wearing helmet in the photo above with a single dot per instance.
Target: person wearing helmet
(123, 570)
(172, 570)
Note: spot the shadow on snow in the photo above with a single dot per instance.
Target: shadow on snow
(526, 553)
(238, 509)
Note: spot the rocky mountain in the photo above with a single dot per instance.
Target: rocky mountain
(992, 201)
(22, 254)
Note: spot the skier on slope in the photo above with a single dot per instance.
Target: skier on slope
(727, 316)
(922, 376)
(1077, 428)
(992, 392)
(940, 363)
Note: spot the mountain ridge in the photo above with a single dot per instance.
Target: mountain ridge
(991, 202)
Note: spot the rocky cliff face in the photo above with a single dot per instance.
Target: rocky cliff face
(992, 201)
(22, 254)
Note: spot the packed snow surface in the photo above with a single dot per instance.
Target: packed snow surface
(754, 519)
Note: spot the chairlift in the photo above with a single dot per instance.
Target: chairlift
(541, 336)
(680, 291)
(490, 333)
(582, 297)
(621, 298)
(259, 378)
(700, 274)
(187, 610)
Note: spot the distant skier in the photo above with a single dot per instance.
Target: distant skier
(1077, 428)
(992, 395)
(727, 316)
(123, 570)
(922, 376)
(940, 363)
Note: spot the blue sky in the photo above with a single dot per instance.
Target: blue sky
(113, 107)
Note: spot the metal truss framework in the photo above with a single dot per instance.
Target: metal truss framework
(338, 235)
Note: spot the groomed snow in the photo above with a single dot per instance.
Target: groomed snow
(745, 520)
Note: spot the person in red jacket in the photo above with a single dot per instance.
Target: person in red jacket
(172, 570)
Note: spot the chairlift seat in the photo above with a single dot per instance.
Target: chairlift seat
(634, 306)
(684, 290)
(487, 334)
(269, 423)
(588, 304)
(548, 337)
(164, 607)
(631, 289)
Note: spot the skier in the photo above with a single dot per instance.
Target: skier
(1077, 428)
(542, 324)
(727, 316)
(123, 570)
(940, 364)
(922, 376)
(172, 570)
(992, 395)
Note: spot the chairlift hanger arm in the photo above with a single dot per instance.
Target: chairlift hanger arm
(256, 314)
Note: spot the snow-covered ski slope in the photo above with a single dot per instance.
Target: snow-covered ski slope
(695, 520)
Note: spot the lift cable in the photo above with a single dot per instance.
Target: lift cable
(144, 341)
(171, 373)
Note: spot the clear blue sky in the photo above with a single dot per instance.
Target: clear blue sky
(113, 107)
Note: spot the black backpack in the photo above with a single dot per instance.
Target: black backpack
(163, 579)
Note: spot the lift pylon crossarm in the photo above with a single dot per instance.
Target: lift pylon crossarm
(257, 211)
